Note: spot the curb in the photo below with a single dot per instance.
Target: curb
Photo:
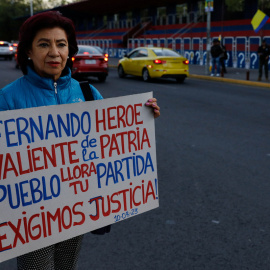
(204, 77)
(112, 66)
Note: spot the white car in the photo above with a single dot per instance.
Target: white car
(6, 50)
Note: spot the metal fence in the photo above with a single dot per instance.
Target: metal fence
(241, 50)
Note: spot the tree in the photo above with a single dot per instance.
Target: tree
(14, 12)
(9, 11)
(234, 5)
(264, 4)
(237, 5)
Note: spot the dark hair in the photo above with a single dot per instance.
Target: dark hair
(32, 25)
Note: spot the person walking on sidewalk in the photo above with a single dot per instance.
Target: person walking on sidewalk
(263, 53)
(216, 52)
(223, 57)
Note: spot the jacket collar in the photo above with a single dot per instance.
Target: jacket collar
(47, 83)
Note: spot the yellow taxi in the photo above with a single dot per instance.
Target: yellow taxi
(154, 62)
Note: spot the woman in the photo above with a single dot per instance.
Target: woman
(47, 41)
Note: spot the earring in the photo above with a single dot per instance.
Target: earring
(68, 57)
(29, 58)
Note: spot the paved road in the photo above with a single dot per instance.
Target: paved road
(213, 165)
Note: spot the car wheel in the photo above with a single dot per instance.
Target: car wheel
(145, 75)
(102, 78)
(121, 72)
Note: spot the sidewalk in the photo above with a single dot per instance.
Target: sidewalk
(234, 75)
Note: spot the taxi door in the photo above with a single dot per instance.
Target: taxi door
(130, 62)
(138, 61)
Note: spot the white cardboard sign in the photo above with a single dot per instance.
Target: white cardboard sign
(69, 169)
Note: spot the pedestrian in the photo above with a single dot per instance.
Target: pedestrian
(223, 57)
(216, 51)
(263, 53)
(47, 42)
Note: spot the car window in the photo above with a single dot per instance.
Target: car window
(134, 54)
(4, 45)
(88, 50)
(143, 53)
(99, 49)
(165, 52)
(139, 53)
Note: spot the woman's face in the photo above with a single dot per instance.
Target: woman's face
(49, 52)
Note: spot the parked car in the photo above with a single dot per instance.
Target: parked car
(16, 60)
(89, 62)
(6, 50)
(15, 48)
(154, 62)
(14, 45)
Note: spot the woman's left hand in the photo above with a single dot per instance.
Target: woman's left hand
(152, 102)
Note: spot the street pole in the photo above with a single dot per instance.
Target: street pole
(31, 7)
(208, 41)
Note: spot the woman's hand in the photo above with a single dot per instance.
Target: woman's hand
(152, 102)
